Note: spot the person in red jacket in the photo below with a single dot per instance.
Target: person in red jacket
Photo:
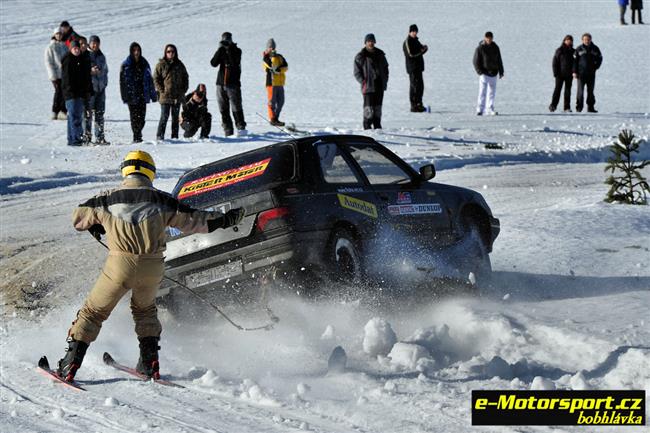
(68, 34)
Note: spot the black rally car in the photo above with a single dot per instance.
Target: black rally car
(342, 206)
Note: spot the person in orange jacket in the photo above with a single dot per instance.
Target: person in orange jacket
(276, 67)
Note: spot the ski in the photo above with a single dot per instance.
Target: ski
(108, 360)
(44, 369)
(292, 128)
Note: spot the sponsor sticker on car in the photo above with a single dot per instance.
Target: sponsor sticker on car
(223, 179)
(415, 209)
(357, 205)
(403, 197)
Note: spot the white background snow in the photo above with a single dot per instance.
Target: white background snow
(569, 307)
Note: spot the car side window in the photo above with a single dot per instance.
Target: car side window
(334, 167)
(377, 167)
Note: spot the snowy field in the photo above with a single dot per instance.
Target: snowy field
(570, 303)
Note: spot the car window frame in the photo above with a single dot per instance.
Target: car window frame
(362, 180)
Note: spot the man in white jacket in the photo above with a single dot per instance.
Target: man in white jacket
(53, 55)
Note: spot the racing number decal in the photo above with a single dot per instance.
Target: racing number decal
(223, 179)
(356, 205)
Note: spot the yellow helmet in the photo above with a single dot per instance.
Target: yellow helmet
(138, 161)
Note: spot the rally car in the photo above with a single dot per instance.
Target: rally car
(334, 207)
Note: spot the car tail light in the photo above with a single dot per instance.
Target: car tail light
(270, 216)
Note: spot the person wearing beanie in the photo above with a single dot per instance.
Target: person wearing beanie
(77, 87)
(563, 73)
(172, 81)
(137, 88)
(488, 64)
(195, 113)
(67, 33)
(228, 59)
(276, 67)
(414, 55)
(96, 105)
(54, 54)
(371, 71)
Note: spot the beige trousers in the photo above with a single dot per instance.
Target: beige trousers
(121, 273)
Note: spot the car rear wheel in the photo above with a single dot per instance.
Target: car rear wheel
(345, 259)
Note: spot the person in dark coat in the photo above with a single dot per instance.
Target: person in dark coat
(136, 88)
(172, 81)
(68, 34)
(228, 59)
(77, 87)
(488, 64)
(563, 73)
(195, 113)
(587, 60)
(414, 55)
(636, 6)
(96, 105)
(371, 71)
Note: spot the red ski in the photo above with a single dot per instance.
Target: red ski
(108, 360)
(44, 369)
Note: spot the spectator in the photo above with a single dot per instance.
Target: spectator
(54, 53)
(67, 33)
(195, 113)
(636, 6)
(622, 5)
(563, 73)
(77, 87)
(97, 103)
(136, 88)
(276, 67)
(414, 54)
(228, 59)
(488, 64)
(171, 81)
(587, 60)
(371, 71)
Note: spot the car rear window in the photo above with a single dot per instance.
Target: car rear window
(235, 177)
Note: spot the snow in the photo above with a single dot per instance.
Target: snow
(570, 297)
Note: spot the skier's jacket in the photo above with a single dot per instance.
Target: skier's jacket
(228, 59)
(135, 217)
(563, 62)
(276, 67)
(54, 53)
(487, 59)
(413, 55)
(136, 83)
(371, 70)
(67, 38)
(75, 76)
(587, 60)
(171, 79)
(193, 111)
(100, 81)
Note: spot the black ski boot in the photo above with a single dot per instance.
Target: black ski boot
(148, 362)
(70, 363)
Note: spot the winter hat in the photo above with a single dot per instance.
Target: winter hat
(489, 35)
(133, 46)
(270, 44)
(64, 24)
(94, 38)
(75, 43)
(56, 30)
(226, 36)
(173, 47)
(413, 28)
(370, 38)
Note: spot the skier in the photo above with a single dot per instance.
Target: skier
(488, 64)
(195, 113)
(622, 5)
(371, 71)
(97, 103)
(77, 87)
(172, 81)
(134, 218)
(67, 33)
(276, 67)
(414, 54)
(54, 53)
(635, 7)
(587, 60)
(136, 88)
(563, 73)
(228, 59)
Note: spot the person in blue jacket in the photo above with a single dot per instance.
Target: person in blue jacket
(136, 88)
(622, 5)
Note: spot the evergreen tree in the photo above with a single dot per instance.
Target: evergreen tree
(627, 185)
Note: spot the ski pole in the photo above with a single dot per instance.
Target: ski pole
(274, 319)
(279, 127)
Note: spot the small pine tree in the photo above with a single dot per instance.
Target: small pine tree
(630, 186)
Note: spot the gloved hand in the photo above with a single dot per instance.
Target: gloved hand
(233, 217)
(97, 230)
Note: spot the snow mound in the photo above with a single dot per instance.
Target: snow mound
(252, 392)
(578, 382)
(209, 379)
(407, 355)
(542, 383)
(379, 337)
(111, 402)
(629, 373)
(328, 333)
